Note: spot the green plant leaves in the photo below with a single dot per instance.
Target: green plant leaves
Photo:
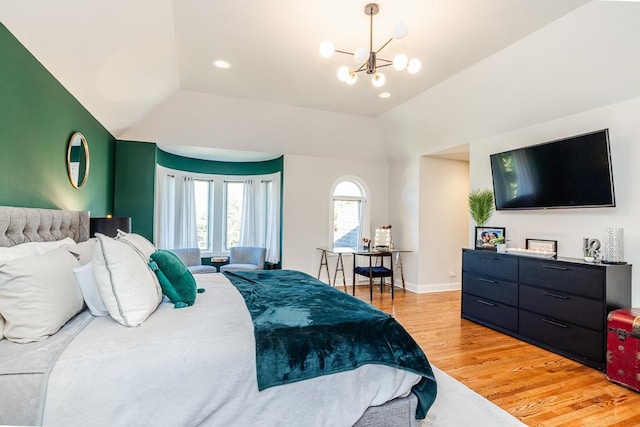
(481, 206)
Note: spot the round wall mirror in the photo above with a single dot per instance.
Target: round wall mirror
(78, 160)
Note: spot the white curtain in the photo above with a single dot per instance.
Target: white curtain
(249, 219)
(260, 224)
(273, 222)
(185, 223)
(176, 208)
(164, 217)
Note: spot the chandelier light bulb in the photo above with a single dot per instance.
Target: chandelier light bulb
(400, 61)
(361, 55)
(369, 59)
(352, 78)
(327, 49)
(400, 31)
(343, 73)
(378, 80)
(414, 66)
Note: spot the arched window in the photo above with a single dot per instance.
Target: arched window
(348, 205)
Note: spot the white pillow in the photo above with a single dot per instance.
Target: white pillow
(144, 247)
(38, 295)
(83, 250)
(89, 289)
(128, 287)
(32, 248)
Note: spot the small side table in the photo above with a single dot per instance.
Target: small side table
(218, 262)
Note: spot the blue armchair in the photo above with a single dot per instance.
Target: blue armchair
(191, 258)
(245, 258)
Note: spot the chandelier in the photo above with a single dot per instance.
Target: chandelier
(368, 59)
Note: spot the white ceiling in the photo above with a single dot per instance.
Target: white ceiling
(122, 59)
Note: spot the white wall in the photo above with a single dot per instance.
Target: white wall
(308, 182)
(429, 212)
(444, 214)
(570, 226)
(404, 208)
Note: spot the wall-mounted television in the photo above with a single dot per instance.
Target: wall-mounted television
(568, 173)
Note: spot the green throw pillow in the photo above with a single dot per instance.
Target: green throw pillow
(176, 280)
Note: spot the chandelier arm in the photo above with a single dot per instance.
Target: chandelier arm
(361, 68)
(385, 60)
(384, 45)
(371, 32)
(384, 65)
(344, 51)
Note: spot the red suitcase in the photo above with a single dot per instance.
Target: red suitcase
(623, 347)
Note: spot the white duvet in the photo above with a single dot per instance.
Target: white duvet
(196, 366)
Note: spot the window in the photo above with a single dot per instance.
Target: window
(348, 214)
(232, 213)
(226, 211)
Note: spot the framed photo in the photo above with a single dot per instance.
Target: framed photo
(542, 245)
(486, 237)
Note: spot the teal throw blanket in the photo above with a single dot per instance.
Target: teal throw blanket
(304, 329)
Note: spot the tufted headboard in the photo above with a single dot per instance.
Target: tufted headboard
(21, 225)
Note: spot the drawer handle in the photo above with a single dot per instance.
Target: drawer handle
(551, 322)
(551, 294)
(486, 303)
(555, 267)
(486, 280)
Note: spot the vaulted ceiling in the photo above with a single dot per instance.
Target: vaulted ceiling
(127, 61)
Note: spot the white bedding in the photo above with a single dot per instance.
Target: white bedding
(196, 366)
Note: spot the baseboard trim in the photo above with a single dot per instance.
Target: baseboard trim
(433, 287)
(416, 289)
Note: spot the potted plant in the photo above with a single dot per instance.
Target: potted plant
(481, 206)
(500, 244)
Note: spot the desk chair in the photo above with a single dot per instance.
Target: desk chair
(373, 271)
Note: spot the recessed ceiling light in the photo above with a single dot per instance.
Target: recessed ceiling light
(221, 63)
(384, 95)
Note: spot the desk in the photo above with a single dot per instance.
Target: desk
(380, 271)
(324, 262)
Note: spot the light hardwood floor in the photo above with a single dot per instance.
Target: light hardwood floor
(538, 387)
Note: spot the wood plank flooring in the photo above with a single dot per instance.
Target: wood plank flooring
(538, 387)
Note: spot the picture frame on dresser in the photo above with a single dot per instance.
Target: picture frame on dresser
(486, 237)
(542, 245)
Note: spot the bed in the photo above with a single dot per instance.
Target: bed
(199, 365)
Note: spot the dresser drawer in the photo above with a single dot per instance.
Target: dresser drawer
(563, 306)
(580, 342)
(490, 264)
(563, 277)
(491, 312)
(493, 289)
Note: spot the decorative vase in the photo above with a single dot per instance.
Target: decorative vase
(614, 246)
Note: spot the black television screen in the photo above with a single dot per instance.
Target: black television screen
(569, 173)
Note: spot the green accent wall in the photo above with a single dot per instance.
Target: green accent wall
(135, 185)
(173, 161)
(37, 118)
